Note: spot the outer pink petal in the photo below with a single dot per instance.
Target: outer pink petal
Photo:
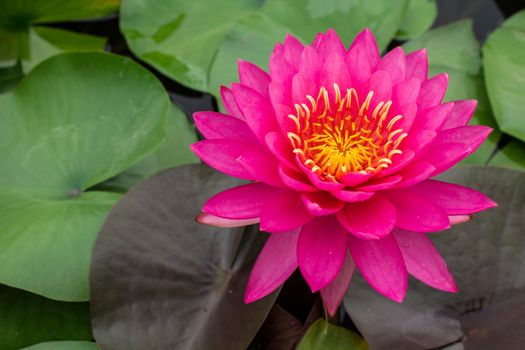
(433, 118)
(419, 140)
(281, 98)
(380, 184)
(330, 44)
(311, 64)
(381, 84)
(292, 50)
(334, 293)
(362, 58)
(335, 71)
(406, 92)
(228, 100)
(280, 148)
(381, 264)
(414, 173)
(295, 180)
(416, 213)
(321, 203)
(354, 179)
(301, 87)
(241, 202)
(371, 219)
(460, 114)
(417, 65)
(321, 251)
(253, 77)
(223, 154)
(423, 260)
(352, 196)
(257, 110)
(394, 62)
(399, 161)
(459, 219)
(471, 135)
(283, 213)
(281, 70)
(217, 221)
(264, 169)
(213, 125)
(275, 263)
(432, 91)
(444, 156)
(453, 199)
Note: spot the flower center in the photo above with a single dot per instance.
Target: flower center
(343, 135)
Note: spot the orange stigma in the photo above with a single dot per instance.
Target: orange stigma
(334, 137)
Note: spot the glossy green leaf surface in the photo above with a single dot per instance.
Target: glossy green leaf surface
(74, 121)
(419, 16)
(323, 335)
(512, 156)
(27, 319)
(160, 280)
(504, 65)
(64, 345)
(486, 257)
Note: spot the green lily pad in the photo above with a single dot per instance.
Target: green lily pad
(10, 76)
(453, 49)
(504, 65)
(486, 257)
(418, 17)
(64, 345)
(323, 335)
(160, 280)
(253, 37)
(76, 120)
(17, 17)
(27, 319)
(512, 156)
(180, 38)
(175, 150)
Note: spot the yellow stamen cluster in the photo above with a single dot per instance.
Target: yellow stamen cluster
(340, 136)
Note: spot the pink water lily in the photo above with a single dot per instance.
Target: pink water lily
(339, 145)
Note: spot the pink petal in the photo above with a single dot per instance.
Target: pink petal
(280, 148)
(453, 199)
(253, 77)
(292, 50)
(354, 179)
(223, 154)
(217, 221)
(294, 180)
(228, 100)
(416, 213)
(283, 213)
(362, 58)
(460, 114)
(371, 219)
(406, 92)
(444, 156)
(264, 169)
(213, 125)
(471, 135)
(399, 161)
(409, 113)
(281, 97)
(417, 65)
(423, 260)
(257, 110)
(321, 203)
(380, 184)
(275, 263)
(381, 84)
(414, 173)
(318, 182)
(352, 196)
(329, 45)
(241, 202)
(381, 264)
(459, 219)
(321, 251)
(433, 118)
(334, 293)
(394, 62)
(432, 91)
(301, 87)
(335, 71)
(281, 70)
(419, 140)
(310, 66)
